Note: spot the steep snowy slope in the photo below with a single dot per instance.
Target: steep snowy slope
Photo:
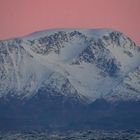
(22, 76)
(73, 62)
(128, 89)
(19, 73)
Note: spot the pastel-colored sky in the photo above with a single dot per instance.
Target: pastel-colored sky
(20, 17)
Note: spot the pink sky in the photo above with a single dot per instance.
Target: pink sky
(20, 17)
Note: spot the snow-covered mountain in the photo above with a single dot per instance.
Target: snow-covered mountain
(88, 64)
(70, 78)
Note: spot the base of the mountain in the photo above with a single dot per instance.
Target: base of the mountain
(62, 113)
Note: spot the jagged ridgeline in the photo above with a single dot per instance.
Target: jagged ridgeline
(70, 78)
